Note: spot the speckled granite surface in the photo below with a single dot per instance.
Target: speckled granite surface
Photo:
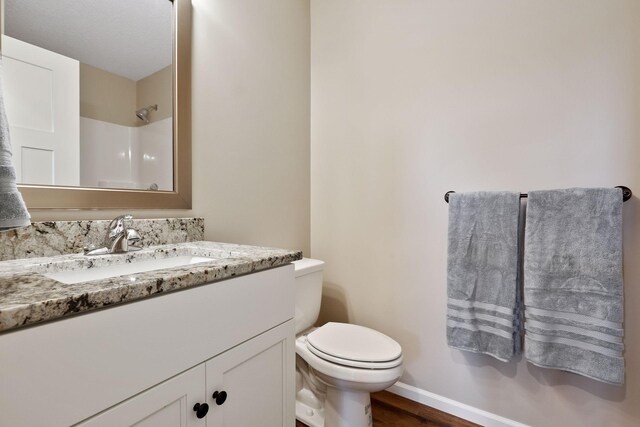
(28, 297)
(52, 238)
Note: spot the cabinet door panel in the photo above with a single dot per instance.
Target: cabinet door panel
(169, 404)
(258, 377)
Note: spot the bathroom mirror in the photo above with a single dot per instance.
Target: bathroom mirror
(97, 95)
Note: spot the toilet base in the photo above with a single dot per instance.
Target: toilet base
(344, 408)
(312, 417)
(341, 409)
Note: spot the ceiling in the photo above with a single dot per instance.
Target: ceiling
(131, 38)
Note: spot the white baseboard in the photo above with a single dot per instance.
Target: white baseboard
(452, 407)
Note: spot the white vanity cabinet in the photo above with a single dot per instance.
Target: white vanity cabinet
(148, 363)
(250, 381)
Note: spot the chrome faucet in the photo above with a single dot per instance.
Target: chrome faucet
(117, 238)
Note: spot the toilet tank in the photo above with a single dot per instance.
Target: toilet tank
(308, 292)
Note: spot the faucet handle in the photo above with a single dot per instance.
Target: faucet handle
(132, 235)
(117, 225)
(121, 218)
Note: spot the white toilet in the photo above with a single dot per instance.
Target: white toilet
(338, 364)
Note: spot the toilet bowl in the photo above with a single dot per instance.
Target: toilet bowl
(337, 364)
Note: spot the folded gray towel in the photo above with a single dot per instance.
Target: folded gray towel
(573, 282)
(482, 273)
(13, 212)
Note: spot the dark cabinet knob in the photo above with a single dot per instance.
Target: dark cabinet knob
(220, 397)
(201, 409)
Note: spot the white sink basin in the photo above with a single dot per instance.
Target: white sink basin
(106, 272)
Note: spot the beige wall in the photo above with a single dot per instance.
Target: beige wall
(115, 99)
(156, 89)
(411, 99)
(106, 96)
(250, 124)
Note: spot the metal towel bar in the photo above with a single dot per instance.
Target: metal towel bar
(626, 194)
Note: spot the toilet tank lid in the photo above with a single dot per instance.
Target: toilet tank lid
(307, 266)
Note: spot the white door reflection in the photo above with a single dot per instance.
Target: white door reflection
(40, 89)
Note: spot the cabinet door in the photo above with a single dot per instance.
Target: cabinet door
(258, 378)
(169, 404)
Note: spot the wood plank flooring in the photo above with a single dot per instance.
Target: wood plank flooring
(391, 410)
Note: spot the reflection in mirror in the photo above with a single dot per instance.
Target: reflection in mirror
(88, 92)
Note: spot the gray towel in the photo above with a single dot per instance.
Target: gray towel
(13, 212)
(482, 273)
(573, 282)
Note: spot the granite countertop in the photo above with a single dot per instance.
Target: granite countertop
(28, 297)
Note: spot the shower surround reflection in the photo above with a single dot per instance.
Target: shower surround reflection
(115, 156)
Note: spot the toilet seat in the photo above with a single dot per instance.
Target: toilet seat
(340, 372)
(354, 346)
(354, 363)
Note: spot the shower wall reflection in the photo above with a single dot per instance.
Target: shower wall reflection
(121, 145)
(116, 156)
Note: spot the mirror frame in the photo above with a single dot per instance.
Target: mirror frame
(58, 197)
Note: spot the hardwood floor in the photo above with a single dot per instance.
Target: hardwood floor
(390, 410)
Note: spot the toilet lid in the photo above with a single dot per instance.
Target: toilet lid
(354, 345)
